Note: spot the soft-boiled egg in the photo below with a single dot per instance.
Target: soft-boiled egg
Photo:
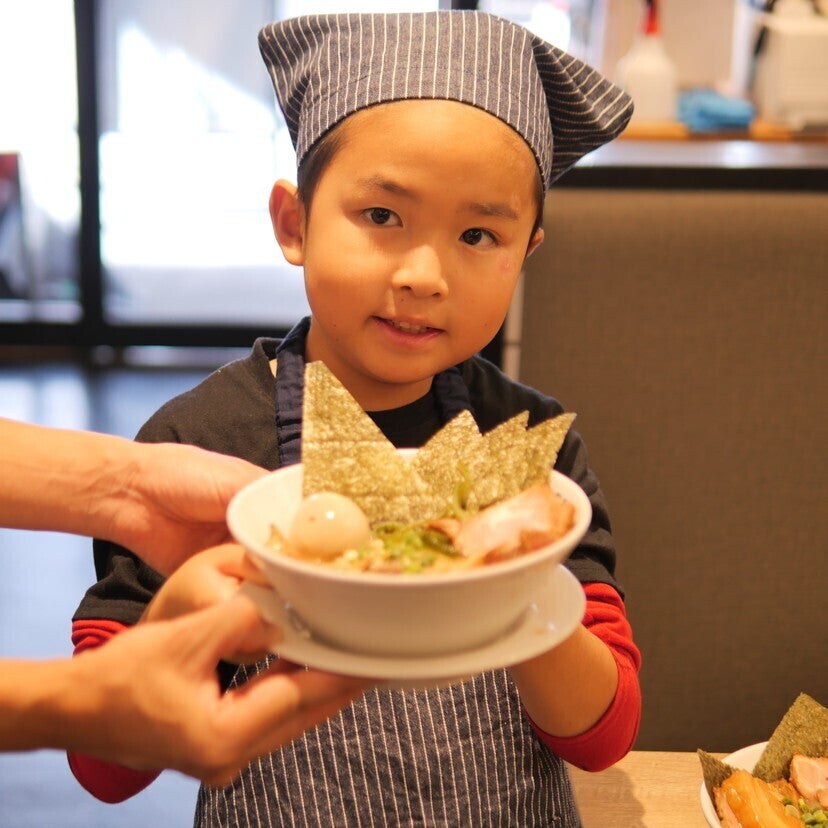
(326, 524)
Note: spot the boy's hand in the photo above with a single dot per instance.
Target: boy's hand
(208, 578)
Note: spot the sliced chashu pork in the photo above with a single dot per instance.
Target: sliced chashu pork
(743, 801)
(810, 776)
(531, 519)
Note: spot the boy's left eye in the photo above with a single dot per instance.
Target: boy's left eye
(478, 237)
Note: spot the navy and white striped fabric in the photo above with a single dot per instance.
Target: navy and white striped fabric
(462, 756)
(326, 67)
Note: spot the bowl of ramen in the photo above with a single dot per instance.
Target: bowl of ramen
(404, 552)
(781, 782)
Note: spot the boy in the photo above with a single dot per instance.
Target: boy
(425, 143)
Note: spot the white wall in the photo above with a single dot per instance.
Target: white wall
(698, 35)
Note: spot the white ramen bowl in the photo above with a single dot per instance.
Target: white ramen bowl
(424, 614)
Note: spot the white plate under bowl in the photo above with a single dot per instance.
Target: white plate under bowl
(745, 758)
(555, 612)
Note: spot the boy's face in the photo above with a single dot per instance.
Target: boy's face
(417, 232)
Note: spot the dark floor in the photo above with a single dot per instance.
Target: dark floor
(44, 576)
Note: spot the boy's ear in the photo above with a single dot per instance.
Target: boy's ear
(534, 242)
(287, 214)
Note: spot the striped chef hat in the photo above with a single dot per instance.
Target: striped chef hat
(326, 67)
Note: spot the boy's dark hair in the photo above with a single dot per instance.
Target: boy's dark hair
(315, 162)
(320, 155)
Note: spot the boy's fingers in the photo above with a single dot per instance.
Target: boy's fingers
(232, 559)
(239, 564)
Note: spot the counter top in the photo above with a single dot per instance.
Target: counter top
(732, 153)
(705, 163)
(646, 789)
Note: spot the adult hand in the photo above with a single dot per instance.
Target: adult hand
(178, 497)
(150, 697)
(164, 501)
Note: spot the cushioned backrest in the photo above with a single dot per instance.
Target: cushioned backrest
(688, 330)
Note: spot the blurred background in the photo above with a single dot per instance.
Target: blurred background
(139, 140)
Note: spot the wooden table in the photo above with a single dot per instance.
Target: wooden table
(646, 789)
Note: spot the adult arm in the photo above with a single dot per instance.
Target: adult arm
(150, 698)
(163, 501)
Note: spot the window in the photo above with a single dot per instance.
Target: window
(572, 25)
(183, 142)
(191, 141)
(39, 196)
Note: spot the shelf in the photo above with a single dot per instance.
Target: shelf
(668, 156)
(758, 131)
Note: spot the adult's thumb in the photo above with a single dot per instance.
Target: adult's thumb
(233, 626)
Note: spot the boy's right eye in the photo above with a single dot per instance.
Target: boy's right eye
(382, 216)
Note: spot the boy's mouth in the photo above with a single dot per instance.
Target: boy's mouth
(409, 327)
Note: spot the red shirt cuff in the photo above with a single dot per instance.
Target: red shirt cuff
(613, 735)
(108, 781)
(87, 635)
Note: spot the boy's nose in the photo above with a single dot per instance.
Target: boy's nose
(422, 272)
